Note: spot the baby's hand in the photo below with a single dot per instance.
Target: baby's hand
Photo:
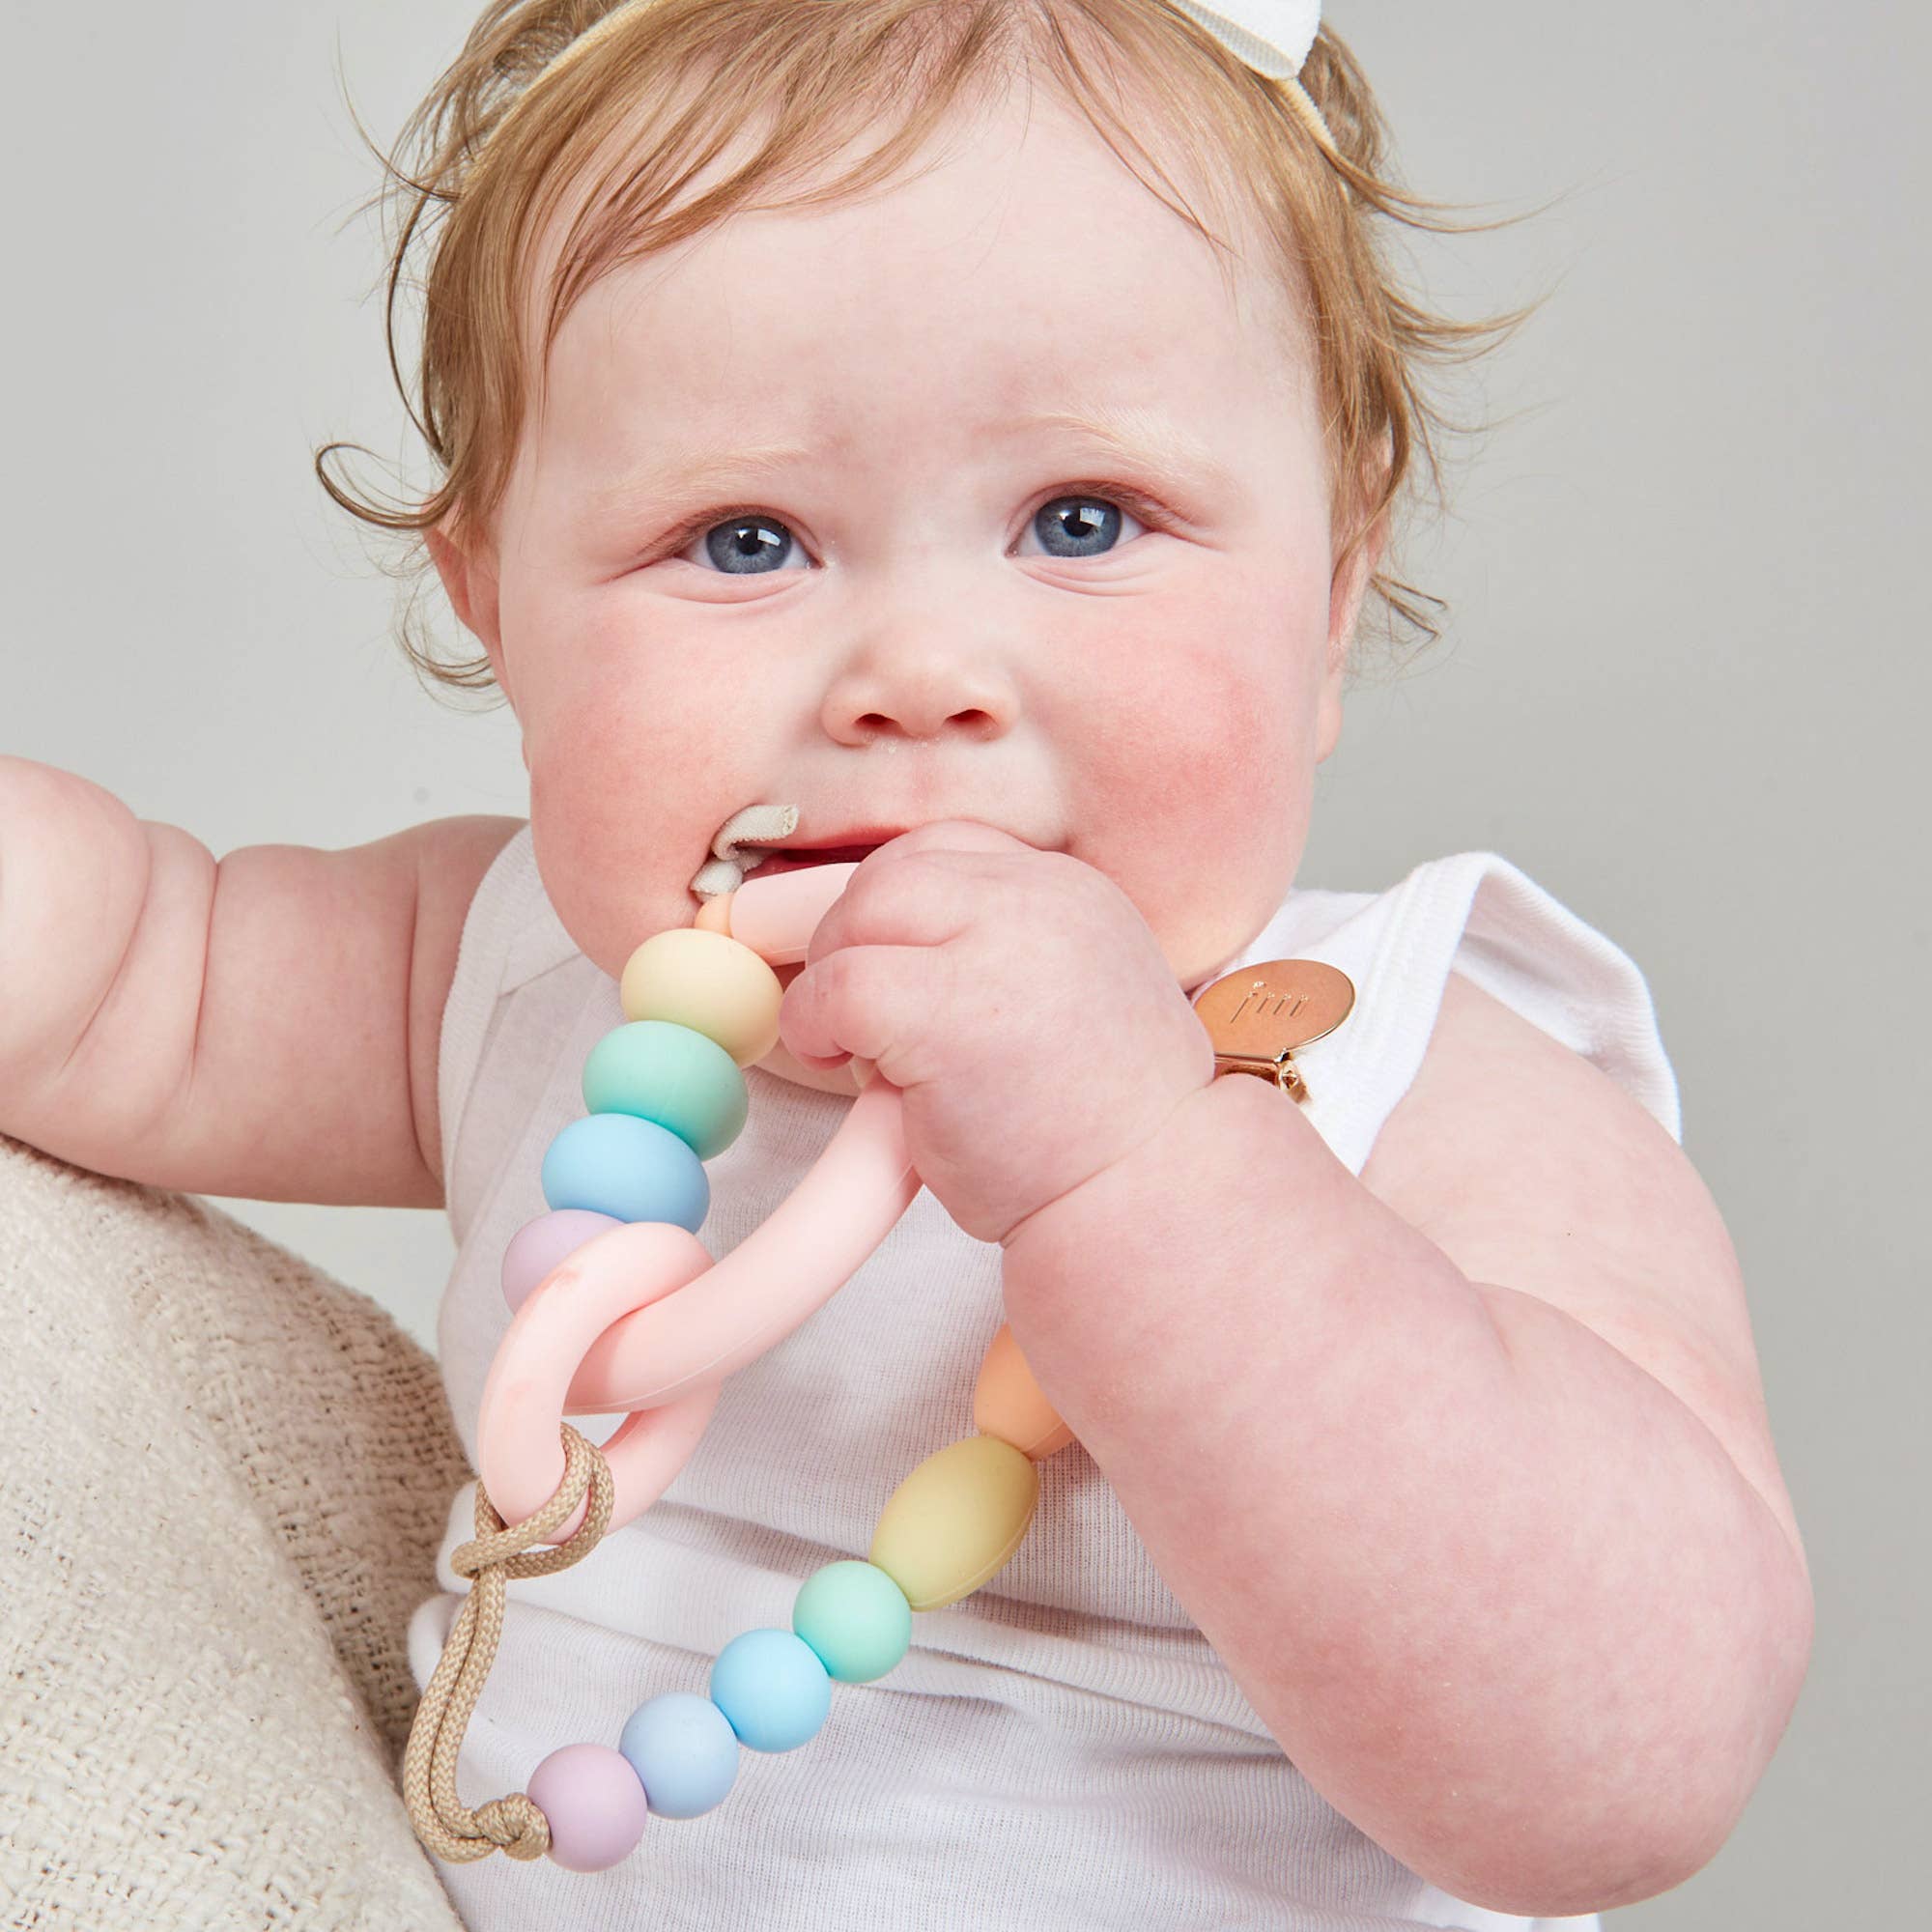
(1018, 999)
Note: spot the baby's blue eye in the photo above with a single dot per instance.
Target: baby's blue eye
(749, 546)
(1079, 525)
(1083, 524)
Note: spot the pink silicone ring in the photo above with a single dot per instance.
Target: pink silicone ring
(606, 1330)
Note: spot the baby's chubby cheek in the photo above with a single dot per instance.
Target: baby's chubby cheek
(616, 853)
(1197, 805)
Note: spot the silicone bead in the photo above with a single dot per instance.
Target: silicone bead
(955, 1520)
(617, 1164)
(855, 1618)
(684, 1750)
(772, 1686)
(596, 1808)
(537, 1247)
(709, 981)
(672, 1075)
(1007, 1402)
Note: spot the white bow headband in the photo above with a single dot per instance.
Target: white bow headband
(1273, 37)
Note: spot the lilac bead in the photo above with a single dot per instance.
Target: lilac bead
(685, 1753)
(537, 1247)
(596, 1807)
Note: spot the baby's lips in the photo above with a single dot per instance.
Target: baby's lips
(796, 859)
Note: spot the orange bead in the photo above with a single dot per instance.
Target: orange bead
(1007, 1402)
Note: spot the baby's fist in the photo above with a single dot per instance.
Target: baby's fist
(1019, 1001)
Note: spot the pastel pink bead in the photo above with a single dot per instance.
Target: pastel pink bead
(596, 1807)
(537, 1247)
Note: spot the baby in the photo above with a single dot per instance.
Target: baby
(1423, 1555)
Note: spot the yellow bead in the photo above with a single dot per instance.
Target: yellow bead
(955, 1520)
(1007, 1403)
(708, 981)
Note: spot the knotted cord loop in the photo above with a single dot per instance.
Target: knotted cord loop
(514, 1824)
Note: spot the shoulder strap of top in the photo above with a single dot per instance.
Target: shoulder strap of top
(1528, 949)
(1479, 914)
(510, 934)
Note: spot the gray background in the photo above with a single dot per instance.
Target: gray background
(1679, 688)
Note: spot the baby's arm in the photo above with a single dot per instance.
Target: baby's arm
(1462, 1466)
(264, 1026)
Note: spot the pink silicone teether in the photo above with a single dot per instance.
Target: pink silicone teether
(608, 1331)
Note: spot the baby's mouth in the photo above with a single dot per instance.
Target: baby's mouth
(802, 855)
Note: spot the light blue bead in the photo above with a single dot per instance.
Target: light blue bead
(855, 1618)
(772, 1686)
(684, 1750)
(617, 1164)
(672, 1075)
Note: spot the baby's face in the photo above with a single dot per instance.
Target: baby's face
(800, 526)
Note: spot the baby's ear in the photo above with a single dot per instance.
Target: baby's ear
(469, 573)
(1348, 583)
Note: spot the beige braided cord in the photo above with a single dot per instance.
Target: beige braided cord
(515, 1824)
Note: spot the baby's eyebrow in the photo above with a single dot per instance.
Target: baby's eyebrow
(1134, 433)
(692, 472)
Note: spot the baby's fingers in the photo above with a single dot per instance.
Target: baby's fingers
(896, 899)
(875, 1003)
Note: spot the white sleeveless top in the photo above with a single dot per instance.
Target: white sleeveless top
(1062, 1749)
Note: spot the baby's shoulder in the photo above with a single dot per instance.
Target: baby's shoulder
(1538, 1174)
(1533, 1169)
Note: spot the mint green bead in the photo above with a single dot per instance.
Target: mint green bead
(672, 1075)
(855, 1618)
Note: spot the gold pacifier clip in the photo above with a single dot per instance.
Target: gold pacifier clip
(1259, 1015)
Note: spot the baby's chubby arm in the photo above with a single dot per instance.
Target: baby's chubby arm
(265, 1026)
(1462, 1466)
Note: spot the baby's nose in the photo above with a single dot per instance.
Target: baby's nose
(920, 692)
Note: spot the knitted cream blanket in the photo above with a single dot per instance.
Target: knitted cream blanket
(223, 1477)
